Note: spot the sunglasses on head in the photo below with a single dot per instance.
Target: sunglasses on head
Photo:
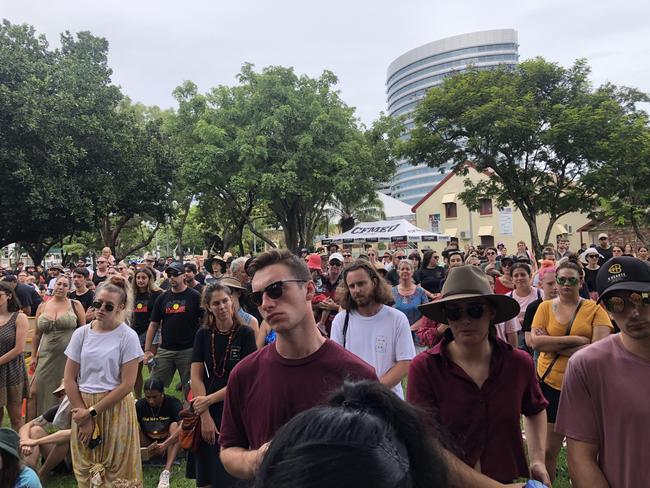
(108, 306)
(274, 291)
(473, 310)
(618, 304)
(572, 281)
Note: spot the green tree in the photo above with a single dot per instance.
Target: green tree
(621, 179)
(74, 156)
(283, 142)
(536, 128)
(53, 104)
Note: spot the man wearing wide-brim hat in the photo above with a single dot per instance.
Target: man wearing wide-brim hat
(478, 386)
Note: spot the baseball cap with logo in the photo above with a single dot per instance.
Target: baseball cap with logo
(623, 273)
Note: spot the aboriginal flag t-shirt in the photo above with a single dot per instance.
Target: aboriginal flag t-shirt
(142, 310)
(179, 315)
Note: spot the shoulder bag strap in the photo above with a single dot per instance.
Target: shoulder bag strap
(568, 331)
(345, 326)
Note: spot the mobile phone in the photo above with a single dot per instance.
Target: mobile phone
(94, 442)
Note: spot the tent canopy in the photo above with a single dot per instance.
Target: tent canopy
(385, 231)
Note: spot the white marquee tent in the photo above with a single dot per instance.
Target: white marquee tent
(385, 231)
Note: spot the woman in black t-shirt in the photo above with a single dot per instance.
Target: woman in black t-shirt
(218, 347)
(145, 293)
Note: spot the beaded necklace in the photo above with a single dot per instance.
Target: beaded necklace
(219, 367)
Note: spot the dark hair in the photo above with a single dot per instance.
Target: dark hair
(191, 267)
(426, 259)
(573, 263)
(520, 265)
(13, 303)
(154, 384)
(365, 436)
(208, 291)
(11, 468)
(455, 253)
(382, 293)
(280, 256)
(81, 271)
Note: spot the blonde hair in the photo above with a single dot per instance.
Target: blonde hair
(120, 285)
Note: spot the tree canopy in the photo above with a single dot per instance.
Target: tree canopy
(285, 142)
(538, 128)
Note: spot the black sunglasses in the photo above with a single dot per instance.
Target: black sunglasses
(274, 291)
(335, 263)
(97, 305)
(618, 304)
(474, 310)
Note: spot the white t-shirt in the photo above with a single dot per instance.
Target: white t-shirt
(380, 340)
(102, 355)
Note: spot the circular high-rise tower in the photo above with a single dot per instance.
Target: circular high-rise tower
(414, 72)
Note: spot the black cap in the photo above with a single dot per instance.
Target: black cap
(623, 273)
(176, 266)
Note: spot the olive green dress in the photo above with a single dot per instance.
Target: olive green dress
(55, 336)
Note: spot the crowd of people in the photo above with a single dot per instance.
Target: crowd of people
(394, 368)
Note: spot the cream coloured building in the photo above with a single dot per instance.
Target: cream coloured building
(442, 211)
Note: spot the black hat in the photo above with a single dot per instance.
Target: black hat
(512, 259)
(176, 266)
(623, 273)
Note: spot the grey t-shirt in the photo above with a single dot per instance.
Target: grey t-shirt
(101, 356)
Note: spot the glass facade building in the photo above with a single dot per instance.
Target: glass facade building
(410, 76)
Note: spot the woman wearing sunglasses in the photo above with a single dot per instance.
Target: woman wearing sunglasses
(99, 377)
(218, 347)
(478, 386)
(562, 327)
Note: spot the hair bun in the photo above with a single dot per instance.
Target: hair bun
(119, 281)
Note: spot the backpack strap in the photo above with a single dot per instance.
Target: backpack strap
(345, 326)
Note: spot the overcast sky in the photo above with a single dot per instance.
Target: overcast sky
(155, 45)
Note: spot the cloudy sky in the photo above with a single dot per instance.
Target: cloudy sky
(155, 45)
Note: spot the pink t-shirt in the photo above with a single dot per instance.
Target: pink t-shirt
(606, 401)
(523, 302)
(504, 328)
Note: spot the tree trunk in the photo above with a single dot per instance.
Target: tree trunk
(37, 251)
(637, 230)
(181, 227)
(347, 223)
(531, 220)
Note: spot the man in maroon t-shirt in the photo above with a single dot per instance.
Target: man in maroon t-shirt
(291, 375)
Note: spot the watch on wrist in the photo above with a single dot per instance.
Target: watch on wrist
(92, 411)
